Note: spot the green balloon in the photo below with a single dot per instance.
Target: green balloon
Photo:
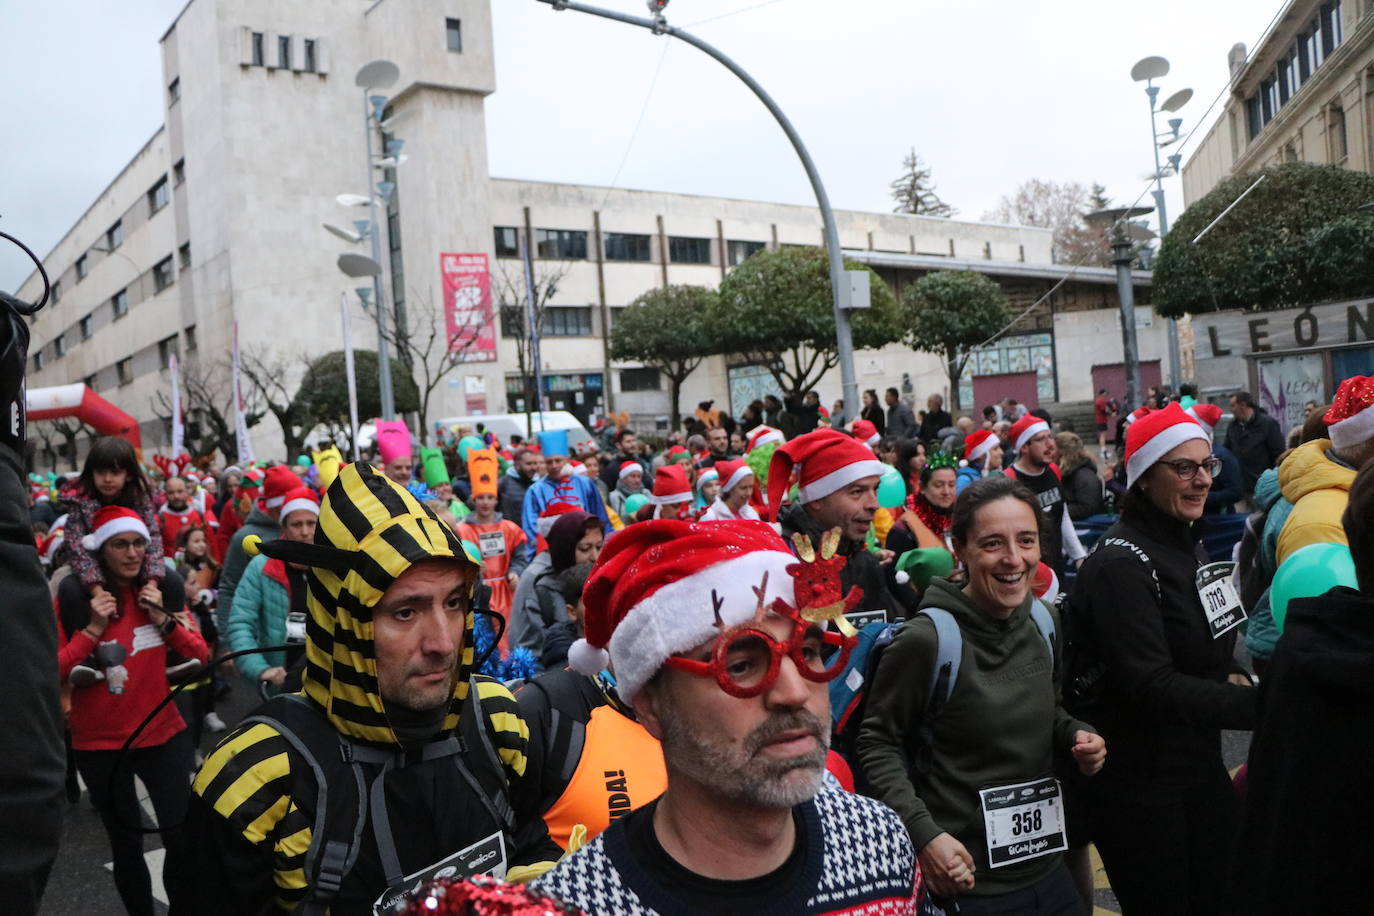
(1311, 571)
(303, 461)
(891, 489)
(467, 444)
(634, 502)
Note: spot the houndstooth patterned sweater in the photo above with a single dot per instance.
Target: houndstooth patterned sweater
(860, 864)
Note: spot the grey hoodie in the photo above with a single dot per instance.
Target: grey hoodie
(1000, 727)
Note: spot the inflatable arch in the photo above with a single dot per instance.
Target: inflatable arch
(81, 402)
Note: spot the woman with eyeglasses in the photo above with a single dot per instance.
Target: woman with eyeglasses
(1154, 624)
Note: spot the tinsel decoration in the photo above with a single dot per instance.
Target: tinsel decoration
(481, 895)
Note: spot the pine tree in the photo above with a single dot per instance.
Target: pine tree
(915, 192)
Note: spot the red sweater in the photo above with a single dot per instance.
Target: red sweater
(100, 720)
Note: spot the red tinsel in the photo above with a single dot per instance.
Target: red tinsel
(482, 895)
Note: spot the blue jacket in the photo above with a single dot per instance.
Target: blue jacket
(1261, 635)
(258, 618)
(573, 489)
(965, 476)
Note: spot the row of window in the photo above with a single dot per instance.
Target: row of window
(571, 245)
(258, 48)
(159, 195)
(124, 368)
(1315, 43)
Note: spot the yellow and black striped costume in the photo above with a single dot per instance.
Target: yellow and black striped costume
(254, 800)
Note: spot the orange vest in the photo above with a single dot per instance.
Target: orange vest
(620, 769)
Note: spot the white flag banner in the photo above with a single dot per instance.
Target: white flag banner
(348, 371)
(178, 425)
(244, 443)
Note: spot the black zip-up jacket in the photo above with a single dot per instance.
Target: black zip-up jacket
(1256, 444)
(1160, 695)
(863, 568)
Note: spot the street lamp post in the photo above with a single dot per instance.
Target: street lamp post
(1116, 222)
(842, 298)
(1147, 70)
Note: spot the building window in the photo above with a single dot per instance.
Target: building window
(56, 290)
(166, 349)
(37, 360)
(173, 91)
(683, 250)
(1336, 141)
(120, 303)
(81, 269)
(512, 321)
(308, 65)
(184, 256)
(454, 28)
(284, 52)
(190, 334)
(507, 242)
(645, 379)
(59, 345)
(163, 276)
(568, 321)
(85, 325)
(740, 251)
(179, 171)
(114, 236)
(258, 57)
(124, 370)
(561, 244)
(622, 246)
(159, 196)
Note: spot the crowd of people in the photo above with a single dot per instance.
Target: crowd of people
(799, 662)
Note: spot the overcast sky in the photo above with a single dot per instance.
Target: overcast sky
(989, 94)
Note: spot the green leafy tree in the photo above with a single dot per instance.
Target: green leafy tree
(776, 308)
(1300, 237)
(323, 395)
(915, 192)
(667, 329)
(950, 312)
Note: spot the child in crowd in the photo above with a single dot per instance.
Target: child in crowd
(630, 482)
(111, 476)
(500, 542)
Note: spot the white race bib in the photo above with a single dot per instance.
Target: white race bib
(492, 543)
(1023, 821)
(1219, 599)
(485, 857)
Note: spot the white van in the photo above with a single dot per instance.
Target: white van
(504, 425)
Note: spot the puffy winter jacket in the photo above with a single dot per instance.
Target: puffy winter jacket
(261, 604)
(1318, 486)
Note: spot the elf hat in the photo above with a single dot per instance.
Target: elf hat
(554, 442)
(393, 440)
(629, 467)
(664, 586)
(1026, 429)
(276, 483)
(112, 520)
(866, 432)
(826, 460)
(1207, 416)
(978, 444)
(301, 498)
(1151, 438)
(732, 473)
(670, 486)
(762, 435)
(1350, 420)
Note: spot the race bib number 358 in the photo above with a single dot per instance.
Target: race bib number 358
(1023, 821)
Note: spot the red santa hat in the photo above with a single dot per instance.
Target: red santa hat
(1026, 429)
(1138, 414)
(276, 483)
(978, 444)
(550, 515)
(301, 498)
(826, 460)
(671, 486)
(112, 520)
(1151, 438)
(762, 435)
(664, 586)
(629, 467)
(866, 432)
(731, 473)
(1207, 416)
(1350, 420)
(1045, 585)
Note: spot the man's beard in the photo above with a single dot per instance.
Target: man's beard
(738, 772)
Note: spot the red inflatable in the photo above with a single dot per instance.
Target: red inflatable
(81, 402)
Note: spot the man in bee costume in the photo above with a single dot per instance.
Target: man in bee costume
(395, 762)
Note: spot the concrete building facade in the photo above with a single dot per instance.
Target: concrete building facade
(217, 222)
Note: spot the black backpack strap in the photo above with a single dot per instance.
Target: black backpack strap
(487, 776)
(340, 787)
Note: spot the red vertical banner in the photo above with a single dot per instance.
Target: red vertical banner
(467, 307)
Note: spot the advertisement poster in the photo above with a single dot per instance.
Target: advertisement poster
(467, 307)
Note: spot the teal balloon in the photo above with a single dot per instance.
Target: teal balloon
(891, 489)
(467, 444)
(473, 552)
(1308, 572)
(634, 502)
(303, 461)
